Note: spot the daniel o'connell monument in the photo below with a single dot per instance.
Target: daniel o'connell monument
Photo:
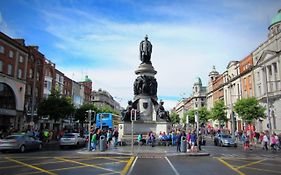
(151, 115)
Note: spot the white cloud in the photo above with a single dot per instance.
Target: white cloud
(4, 26)
(181, 51)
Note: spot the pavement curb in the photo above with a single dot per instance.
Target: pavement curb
(107, 153)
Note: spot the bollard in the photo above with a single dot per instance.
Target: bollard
(102, 143)
(183, 144)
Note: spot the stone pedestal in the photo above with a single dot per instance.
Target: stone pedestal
(143, 127)
(145, 89)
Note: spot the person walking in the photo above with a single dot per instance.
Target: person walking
(178, 141)
(94, 141)
(115, 136)
(265, 142)
(193, 140)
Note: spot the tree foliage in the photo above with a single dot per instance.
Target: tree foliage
(249, 109)
(174, 118)
(191, 115)
(203, 114)
(218, 111)
(56, 106)
(81, 113)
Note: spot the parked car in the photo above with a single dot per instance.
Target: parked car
(72, 139)
(224, 140)
(20, 142)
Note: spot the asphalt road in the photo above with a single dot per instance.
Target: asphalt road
(222, 160)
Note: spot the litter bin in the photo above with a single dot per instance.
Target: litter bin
(183, 144)
(102, 143)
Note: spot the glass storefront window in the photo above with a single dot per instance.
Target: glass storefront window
(7, 97)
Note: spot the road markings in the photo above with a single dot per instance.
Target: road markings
(113, 159)
(85, 164)
(271, 171)
(30, 166)
(249, 164)
(231, 167)
(170, 163)
(128, 165)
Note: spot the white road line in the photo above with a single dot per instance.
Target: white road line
(131, 168)
(176, 172)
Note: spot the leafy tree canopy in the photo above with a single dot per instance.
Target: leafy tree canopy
(249, 109)
(174, 118)
(203, 114)
(218, 111)
(56, 106)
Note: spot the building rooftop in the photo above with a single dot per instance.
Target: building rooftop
(276, 18)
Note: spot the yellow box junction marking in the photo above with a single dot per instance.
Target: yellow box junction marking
(128, 165)
(231, 167)
(30, 166)
(249, 164)
(85, 164)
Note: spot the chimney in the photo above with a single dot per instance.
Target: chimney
(20, 41)
(35, 47)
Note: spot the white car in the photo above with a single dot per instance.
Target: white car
(72, 139)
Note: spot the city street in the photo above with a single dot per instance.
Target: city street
(222, 160)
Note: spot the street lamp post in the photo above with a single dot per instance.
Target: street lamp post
(133, 118)
(197, 126)
(89, 128)
(33, 95)
(231, 113)
(187, 123)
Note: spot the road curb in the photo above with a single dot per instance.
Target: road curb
(105, 153)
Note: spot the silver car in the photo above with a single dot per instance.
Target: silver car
(72, 139)
(224, 140)
(20, 142)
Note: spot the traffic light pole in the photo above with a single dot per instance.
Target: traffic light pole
(133, 118)
(89, 128)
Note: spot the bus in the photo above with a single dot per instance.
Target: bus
(106, 120)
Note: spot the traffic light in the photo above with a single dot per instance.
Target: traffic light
(93, 117)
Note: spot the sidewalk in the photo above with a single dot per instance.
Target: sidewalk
(144, 151)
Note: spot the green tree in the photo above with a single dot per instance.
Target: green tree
(174, 118)
(203, 114)
(249, 109)
(81, 113)
(218, 112)
(107, 109)
(56, 106)
(191, 115)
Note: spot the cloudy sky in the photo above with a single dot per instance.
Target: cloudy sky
(100, 38)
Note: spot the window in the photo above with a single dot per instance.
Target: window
(258, 76)
(37, 76)
(10, 69)
(11, 54)
(30, 73)
(259, 90)
(1, 49)
(21, 59)
(1, 66)
(28, 89)
(19, 73)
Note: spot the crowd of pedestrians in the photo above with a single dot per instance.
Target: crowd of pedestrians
(108, 135)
